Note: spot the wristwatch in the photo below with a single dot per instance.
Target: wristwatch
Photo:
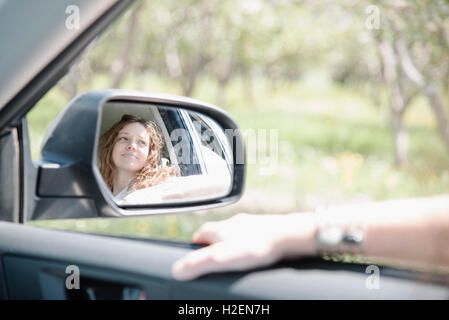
(335, 239)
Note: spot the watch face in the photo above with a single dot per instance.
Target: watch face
(330, 236)
(354, 236)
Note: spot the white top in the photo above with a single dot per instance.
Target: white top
(121, 194)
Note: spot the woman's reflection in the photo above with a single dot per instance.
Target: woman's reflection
(130, 162)
(130, 156)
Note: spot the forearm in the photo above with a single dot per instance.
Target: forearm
(409, 230)
(413, 230)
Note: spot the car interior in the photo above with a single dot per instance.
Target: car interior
(43, 263)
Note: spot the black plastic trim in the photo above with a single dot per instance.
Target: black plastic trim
(10, 182)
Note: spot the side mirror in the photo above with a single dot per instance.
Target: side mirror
(133, 153)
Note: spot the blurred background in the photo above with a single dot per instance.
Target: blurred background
(358, 92)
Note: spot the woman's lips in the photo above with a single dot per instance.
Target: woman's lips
(130, 155)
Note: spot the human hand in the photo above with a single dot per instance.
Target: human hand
(194, 188)
(247, 241)
(144, 196)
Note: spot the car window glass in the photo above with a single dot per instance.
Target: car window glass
(309, 83)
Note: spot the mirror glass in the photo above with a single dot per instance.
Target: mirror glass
(153, 154)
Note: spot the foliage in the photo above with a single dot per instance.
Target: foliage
(312, 70)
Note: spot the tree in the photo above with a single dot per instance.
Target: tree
(421, 42)
(401, 96)
(123, 62)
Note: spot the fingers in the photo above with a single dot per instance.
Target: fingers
(198, 263)
(204, 260)
(212, 232)
(172, 194)
(222, 256)
(208, 233)
(226, 251)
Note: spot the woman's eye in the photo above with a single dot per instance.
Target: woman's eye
(123, 139)
(143, 143)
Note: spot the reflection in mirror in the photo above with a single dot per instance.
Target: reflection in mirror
(150, 154)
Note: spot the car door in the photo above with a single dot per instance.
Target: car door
(39, 263)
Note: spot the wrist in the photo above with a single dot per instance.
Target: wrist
(298, 236)
(337, 233)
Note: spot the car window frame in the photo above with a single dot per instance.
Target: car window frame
(219, 137)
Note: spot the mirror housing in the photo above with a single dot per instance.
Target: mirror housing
(69, 167)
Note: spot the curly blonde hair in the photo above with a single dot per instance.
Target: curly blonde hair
(152, 173)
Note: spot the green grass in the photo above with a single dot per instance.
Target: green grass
(335, 145)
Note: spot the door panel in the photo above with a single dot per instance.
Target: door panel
(30, 278)
(35, 259)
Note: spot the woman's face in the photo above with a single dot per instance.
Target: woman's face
(131, 149)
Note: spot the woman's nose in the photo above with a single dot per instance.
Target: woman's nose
(131, 145)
